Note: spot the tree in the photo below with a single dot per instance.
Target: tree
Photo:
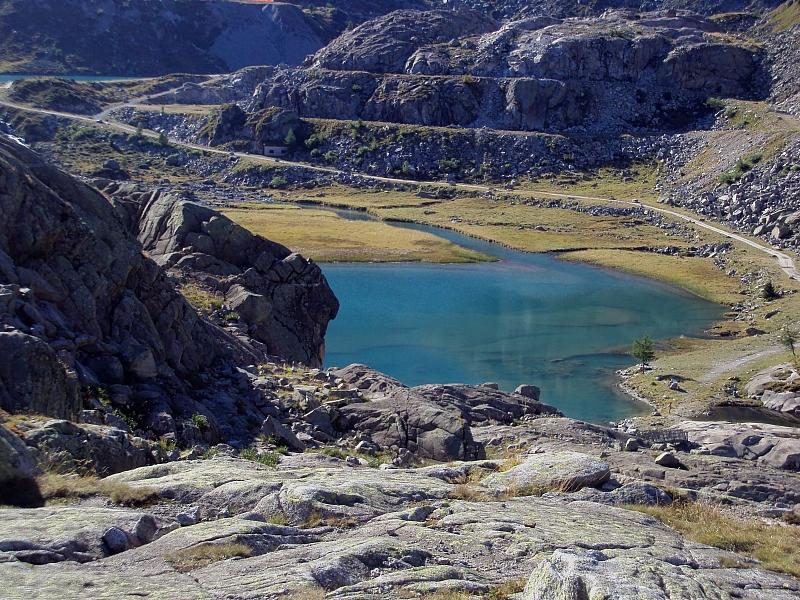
(163, 139)
(768, 292)
(643, 351)
(789, 339)
(291, 139)
(139, 130)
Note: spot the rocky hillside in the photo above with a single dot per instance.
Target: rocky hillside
(620, 72)
(137, 37)
(90, 322)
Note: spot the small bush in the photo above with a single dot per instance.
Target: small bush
(197, 557)
(200, 421)
(279, 181)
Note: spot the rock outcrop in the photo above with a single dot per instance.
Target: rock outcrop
(540, 73)
(88, 321)
(284, 299)
(431, 421)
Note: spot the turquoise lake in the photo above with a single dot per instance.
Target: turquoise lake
(530, 318)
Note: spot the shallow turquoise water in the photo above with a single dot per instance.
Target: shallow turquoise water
(530, 318)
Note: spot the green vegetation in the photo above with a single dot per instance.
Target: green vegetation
(768, 292)
(202, 555)
(643, 351)
(373, 461)
(201, 298)
(200, 421)
(743, 165)
(789, 339)
(267, 458)
(777, 547)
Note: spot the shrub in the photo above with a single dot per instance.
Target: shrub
(200, 421)
(269, 459)
(279, 181)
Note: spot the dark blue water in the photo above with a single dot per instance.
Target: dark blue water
(530, 318)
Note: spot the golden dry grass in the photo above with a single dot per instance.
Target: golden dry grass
(786, 16)
(325, 237)
(776, 546)
(697, 275)
(57, 487)
(201, 298)
(202, 555)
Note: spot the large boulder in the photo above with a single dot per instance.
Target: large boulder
(31, 377)
(88, 320)
(17, 471)
(565, 471)
(96, 449)
(772, 445)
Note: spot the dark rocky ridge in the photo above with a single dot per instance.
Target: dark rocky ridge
(197, 36)
(82, 309)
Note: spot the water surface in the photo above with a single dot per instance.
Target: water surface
(529, 318)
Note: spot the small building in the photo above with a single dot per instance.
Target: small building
(274, 150)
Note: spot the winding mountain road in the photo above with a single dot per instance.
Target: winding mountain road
(785, 262)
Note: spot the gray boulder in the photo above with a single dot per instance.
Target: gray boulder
(565, 471)
(17, 471)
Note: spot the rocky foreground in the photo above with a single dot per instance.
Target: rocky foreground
(546, 524)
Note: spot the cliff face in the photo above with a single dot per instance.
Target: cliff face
(622, 71)
(138, 37)
(82, 308)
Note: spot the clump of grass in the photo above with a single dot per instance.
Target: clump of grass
(209, 454)
(167, 444)
(316, 519)
(448, 595)
(506, 590)
(468, 493)
(55, 487)
(277, 519)
(776, 546)
(197, 557)
(201, 298)
(306, 593)
(270, 459)
(743, 165)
